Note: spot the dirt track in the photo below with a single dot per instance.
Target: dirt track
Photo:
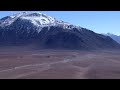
(19, 63)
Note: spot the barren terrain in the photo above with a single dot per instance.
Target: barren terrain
(25, 63)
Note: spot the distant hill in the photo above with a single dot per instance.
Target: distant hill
(114, 37)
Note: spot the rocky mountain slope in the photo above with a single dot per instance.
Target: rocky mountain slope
(48, 32)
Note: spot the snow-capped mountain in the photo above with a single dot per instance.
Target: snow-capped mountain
(48, 32)
(114, 37)
(37, 19)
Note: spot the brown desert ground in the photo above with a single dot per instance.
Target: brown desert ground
(25, 63)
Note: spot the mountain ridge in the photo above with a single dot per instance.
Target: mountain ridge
(114, 37)
(48, 32)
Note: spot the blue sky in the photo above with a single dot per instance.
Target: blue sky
(98, 21)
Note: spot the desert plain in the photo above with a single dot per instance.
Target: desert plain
(26, 63)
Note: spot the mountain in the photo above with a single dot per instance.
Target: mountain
(48, 32)
(114, 37)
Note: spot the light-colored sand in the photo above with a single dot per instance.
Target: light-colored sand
(19, 63)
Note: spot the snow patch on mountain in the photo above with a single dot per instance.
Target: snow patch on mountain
(37, 19)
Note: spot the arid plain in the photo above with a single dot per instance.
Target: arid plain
(26, 63)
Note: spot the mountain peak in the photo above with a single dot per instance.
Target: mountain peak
(18, 14)
(37, 19)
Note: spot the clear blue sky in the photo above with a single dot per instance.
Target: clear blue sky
(98, 21)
